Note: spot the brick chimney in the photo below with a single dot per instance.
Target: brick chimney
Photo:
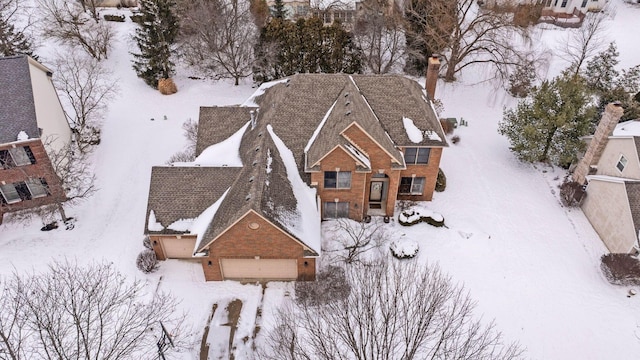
(610, 117)
(433, 68)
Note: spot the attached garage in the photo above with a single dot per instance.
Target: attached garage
(272, 269)
(178, 248)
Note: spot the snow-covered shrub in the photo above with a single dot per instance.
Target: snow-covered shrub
(621, 269)
(404, 248)
(113, 17)
(411, 217)
(147, 261)
(146, 242)
(455, 139)
(441, 181)
(331, 284)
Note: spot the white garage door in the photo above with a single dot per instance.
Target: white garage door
(274, 269)
(175, 248)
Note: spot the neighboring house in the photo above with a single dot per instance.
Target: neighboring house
(302, 149)
(30, 117)
(565, 13)
(611, 168)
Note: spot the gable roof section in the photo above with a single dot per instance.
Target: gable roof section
(349, 107)
(394, 97)
(17, 107)
(261, 186)
(633, 194)
(216, 124)
(184, 192)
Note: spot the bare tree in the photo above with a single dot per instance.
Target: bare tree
(69, 24)
(190, 128)
(584, 42)
(218, 37)
(75, 173)
(91, 312)
(14, 40)
(88, 86)
(394, 310)
(379, 33)
(13, 327)
(91, 6)
(466, 35)
(353, 239)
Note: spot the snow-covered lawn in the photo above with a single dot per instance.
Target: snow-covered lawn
(530, 263)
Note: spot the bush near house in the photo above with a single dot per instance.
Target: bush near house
(404, 248)
(441, 181)
(117, 18)
(412, 217)
(621, 269)
(147, 261)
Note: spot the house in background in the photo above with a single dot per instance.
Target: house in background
(611, 170)
(30, 116)
(301, 149)
(565, 13)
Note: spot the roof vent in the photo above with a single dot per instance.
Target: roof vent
(247, 198)
(254, 162)
(347, 113)
(257, 148)
(252, 178)
(346, 94)
(347, 103)
(260, 134)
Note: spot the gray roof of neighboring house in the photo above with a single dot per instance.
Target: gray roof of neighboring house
(185, 192)
(633, 194)
(17, 107)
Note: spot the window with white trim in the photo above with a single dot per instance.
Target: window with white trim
(10, 193)
(416, 156)
(411, 186)
(337, 180)
(564, 3)
(621, 163)
(37, 188)
(334, 210)
(18, 156)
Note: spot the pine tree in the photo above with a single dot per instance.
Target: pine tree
(279, 11)
(155, 37)
(13, 42)
(547, 126)
(601, 71)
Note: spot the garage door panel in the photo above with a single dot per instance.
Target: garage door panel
(282, 269)
(175, 248)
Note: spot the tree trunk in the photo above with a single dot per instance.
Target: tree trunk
(547, 145)
(63, 215)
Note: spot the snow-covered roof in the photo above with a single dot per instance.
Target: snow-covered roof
(224, 153)
(627, 128)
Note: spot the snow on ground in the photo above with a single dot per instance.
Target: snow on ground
(530, 263)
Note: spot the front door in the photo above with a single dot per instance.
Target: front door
(375, 195)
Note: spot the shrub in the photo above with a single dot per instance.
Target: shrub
(146, 242)
(331, 284)
(455, 139)
(138, 19)
(571, 193)
(147, 261)
(404, 248)
(117, 18)
(412, 217)
(167, 86)
(621, 269)
(441, 181)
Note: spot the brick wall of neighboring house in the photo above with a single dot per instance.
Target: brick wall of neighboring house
(267, 242)
(339, 159)
(428, 171)
(41, 169)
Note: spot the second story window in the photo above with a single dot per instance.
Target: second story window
(414, 156)
(337, 179)
(18, 156)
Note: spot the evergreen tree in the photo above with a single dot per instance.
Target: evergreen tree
(279, 12)
(13, 42)
(155, 37)
(547, 126)
(601, 71)
(285, 48)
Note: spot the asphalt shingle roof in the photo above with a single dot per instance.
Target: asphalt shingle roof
(17, 107)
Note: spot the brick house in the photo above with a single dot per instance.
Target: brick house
(301, 149)
(31, 116)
